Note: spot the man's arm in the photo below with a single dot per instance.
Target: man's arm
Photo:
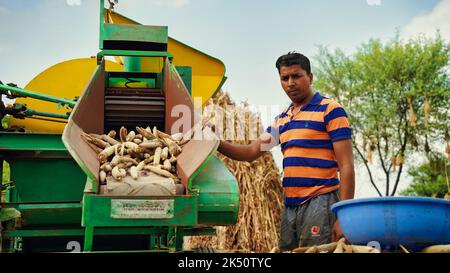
(338, 127)
(344, 156)
(248, 152)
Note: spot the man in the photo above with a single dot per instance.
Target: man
(315, 138)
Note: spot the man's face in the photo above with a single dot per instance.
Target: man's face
(295, 82)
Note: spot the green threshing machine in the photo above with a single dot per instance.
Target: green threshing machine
(53, 193)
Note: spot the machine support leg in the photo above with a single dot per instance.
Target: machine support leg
(152, 242)
(171, 236)
(15, 245)
(179, 239)
(11, 246)
(88, 238)
(163, 240)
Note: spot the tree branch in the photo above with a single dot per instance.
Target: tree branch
(382, 161)
(368, 169)
(397, 180)
(405, 140)
(379, 152)
(399, 133)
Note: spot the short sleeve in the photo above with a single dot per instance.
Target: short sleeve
(337, 123)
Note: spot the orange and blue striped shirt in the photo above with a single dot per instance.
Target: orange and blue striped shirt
(309, 164)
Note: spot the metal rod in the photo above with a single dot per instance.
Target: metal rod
(38, 96)
(31, 112)
(48, 119)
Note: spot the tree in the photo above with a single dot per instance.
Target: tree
(397, 97)
(430, 178)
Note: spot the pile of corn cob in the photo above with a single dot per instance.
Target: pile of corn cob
(135, 154)
(343, 247)
(336, 247)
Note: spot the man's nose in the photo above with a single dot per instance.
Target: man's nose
(291, 82)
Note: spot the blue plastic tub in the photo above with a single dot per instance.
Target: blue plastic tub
(414, 222)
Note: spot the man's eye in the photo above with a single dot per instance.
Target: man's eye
(284, 79)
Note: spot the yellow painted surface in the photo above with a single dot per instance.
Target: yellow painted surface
(64, 80)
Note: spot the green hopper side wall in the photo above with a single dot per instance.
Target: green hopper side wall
(218, 194)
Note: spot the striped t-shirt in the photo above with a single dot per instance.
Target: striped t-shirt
(309, 164)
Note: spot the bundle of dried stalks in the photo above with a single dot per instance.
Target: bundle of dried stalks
(261, 192)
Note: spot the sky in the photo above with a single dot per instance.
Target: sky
(248, 36)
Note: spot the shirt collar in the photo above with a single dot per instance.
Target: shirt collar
(316, 100)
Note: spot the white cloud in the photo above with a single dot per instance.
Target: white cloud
(429, 23)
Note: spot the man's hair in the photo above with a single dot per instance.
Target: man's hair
(293, 58)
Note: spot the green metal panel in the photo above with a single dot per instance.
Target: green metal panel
(44, 233)
(132, 33)
(135, 33)
(99, 231)
(132, 64)
(185, 73)
(97, 212)
(102, 23)
(49, 215)
(35, 143)
(41, 168)
(47, 179)
(120, 82)
(218, 194)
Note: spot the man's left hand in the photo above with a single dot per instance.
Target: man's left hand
(337, 232)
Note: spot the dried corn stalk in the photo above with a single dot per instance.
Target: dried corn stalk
(260, 189)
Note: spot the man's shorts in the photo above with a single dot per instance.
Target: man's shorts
(308, 224)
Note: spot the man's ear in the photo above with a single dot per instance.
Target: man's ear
(311, 78)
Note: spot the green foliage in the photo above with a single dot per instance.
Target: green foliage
(384, 87)
(430, 179)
